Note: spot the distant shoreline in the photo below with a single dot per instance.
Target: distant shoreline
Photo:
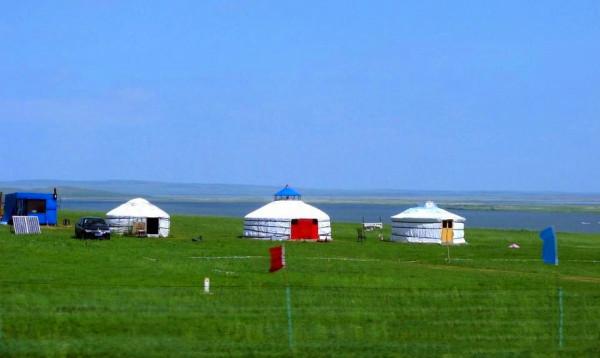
(115, 191)
(480, 206)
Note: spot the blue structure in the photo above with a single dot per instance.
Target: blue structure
(41, 205)
(549, 246)
(287, 193)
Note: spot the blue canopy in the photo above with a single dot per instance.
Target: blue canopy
(286, 194)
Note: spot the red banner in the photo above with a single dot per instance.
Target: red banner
(277, 258)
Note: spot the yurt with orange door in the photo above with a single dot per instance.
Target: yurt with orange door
(428, 224)
(287, 217)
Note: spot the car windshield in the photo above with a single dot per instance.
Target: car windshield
(94, 221)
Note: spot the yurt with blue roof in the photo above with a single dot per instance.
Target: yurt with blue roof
(428, 224)
(287, 217)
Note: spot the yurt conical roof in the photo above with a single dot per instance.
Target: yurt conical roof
(138, 207)
(287, 206)
(429, 212)
(287, 209)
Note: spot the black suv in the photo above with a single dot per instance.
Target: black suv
(92, 228)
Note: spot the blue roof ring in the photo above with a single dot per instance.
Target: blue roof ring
(287, 193)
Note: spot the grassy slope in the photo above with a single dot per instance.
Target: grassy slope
(141, 297)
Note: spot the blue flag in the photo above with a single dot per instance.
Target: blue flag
(549, 247)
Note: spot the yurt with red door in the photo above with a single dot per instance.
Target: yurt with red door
(287, 218)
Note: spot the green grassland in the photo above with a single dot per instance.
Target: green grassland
(134, 297)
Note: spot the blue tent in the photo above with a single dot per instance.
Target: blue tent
(287, 193)
(41, 205)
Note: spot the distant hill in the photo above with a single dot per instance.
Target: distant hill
(128, 188)
(164, 191)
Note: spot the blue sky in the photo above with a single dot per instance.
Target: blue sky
(474, 95)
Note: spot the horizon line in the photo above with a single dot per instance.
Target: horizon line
(362, 189)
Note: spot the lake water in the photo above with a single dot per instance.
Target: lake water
(529, 220)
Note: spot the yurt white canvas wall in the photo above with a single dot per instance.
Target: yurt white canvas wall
(287, 218)
(428, 224)
(154, 221)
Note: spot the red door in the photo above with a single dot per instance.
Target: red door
(305, 229)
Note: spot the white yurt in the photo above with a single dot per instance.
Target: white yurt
(428, 224)
(287, 218)
(139, 216)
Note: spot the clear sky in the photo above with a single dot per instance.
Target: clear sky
(475, 95)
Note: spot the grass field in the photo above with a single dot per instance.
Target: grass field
(143, 297)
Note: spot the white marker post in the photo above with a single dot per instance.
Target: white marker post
(206, 285)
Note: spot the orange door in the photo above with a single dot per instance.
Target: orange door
(305, 229)
(447, 232)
